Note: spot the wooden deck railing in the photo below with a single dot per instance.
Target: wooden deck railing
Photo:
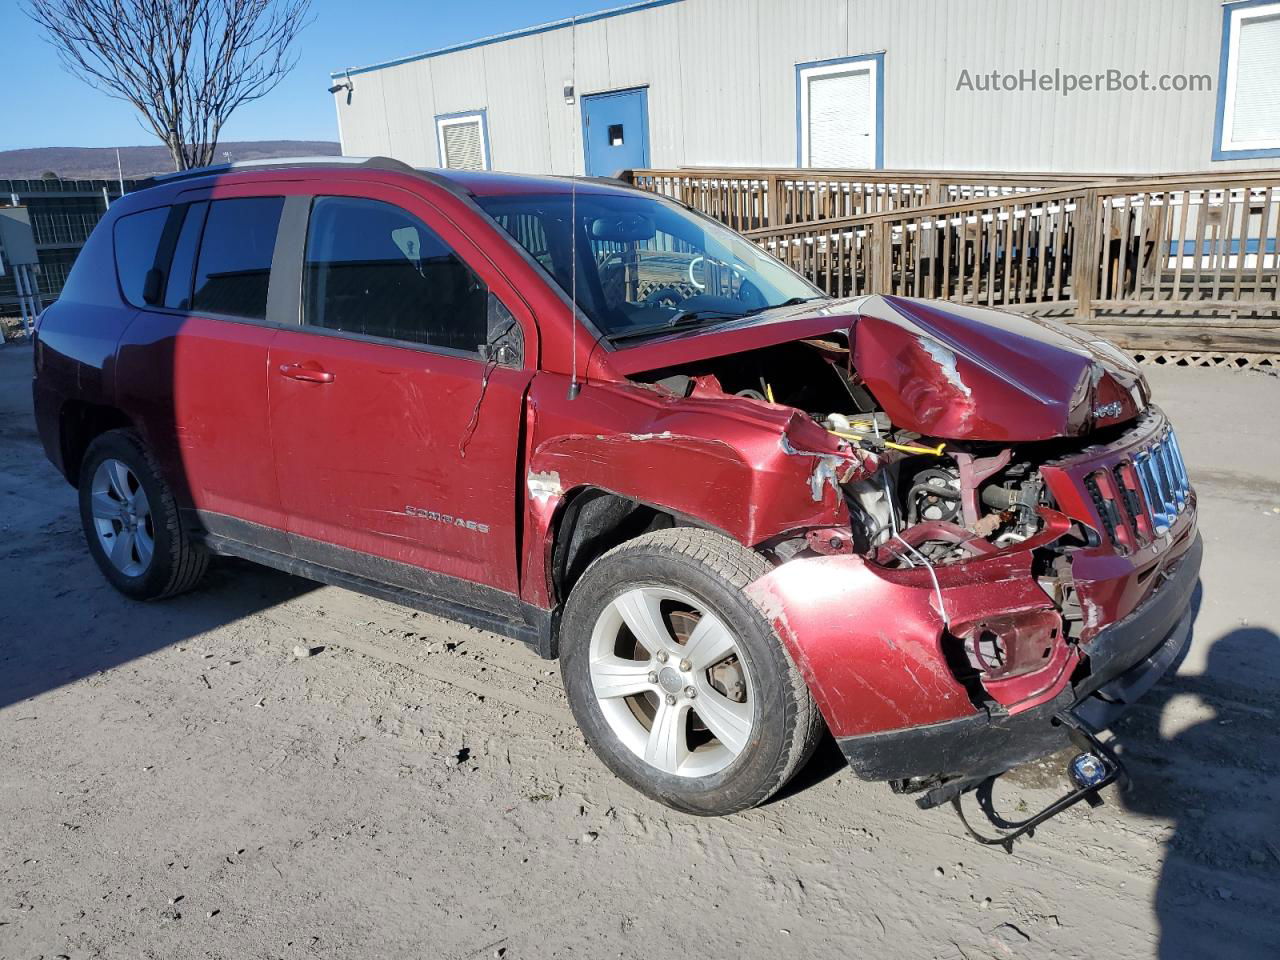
(752, 199)
(1133, 258)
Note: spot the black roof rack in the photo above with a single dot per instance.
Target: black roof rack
(277, 163)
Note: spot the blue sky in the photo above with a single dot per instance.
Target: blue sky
(46, 107)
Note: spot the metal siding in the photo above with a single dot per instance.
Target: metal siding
(719, 46)
(564, 129)
(634, 44)
(519, 100)
(458, 81)
(410, 129)
(364, 120)
(792, 33)
(721, 78)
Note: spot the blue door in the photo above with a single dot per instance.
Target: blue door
(615, 131)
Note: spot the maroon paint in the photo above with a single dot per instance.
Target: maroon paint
(878, 664)
(398, 494)
(197, 388)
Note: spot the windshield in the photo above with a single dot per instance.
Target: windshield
(646, 265)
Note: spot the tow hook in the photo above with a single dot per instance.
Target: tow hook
(1093, 768)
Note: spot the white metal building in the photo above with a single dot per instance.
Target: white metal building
(901, 84)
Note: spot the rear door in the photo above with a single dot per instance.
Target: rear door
(397, 403)
(192, 365)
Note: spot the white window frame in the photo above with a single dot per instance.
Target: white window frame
(807, 71)
(1226, 146)
(454, 119)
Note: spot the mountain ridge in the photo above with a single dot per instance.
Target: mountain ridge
(93, 163)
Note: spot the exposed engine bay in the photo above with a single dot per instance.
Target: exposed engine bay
(912, 498)
(975, 512)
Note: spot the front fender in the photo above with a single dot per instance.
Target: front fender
(871, 641)
(751, 473)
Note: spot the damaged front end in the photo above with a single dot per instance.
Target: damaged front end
(1020, 534)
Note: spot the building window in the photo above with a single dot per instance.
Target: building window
(840, 113)
(1248, 121)
(463, 140)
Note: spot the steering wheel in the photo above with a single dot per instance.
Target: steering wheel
(699, 259)
(693, 280)
(665, 297)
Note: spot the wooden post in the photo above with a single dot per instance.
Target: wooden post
(875, 255)
(775, 201)
(1088, 252)
(879, 257)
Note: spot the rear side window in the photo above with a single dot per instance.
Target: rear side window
(375, 269)
(177, 291)
(137, 240)
(234, 266)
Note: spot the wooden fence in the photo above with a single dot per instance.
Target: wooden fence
(1166, 266)
(754, 199)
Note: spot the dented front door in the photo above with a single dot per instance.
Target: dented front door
(380, 456)
(393, 437)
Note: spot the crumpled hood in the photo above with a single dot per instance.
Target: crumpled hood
(967, 373)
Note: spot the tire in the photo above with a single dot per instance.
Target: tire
(652, 581)
(116, 468)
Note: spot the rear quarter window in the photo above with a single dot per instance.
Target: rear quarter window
(137, 238)
(234, 267)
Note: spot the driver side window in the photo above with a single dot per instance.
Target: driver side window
(372, 268)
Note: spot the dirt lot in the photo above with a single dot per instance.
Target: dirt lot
(174, 783)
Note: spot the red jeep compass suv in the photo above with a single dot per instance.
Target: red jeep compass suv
(590, 418)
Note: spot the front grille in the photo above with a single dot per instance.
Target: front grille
(1141, 496)
(1163, 476)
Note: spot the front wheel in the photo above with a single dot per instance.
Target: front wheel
(679, 683)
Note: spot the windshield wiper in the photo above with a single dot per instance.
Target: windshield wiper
(692, 318)
(793, 302)
(680, 321)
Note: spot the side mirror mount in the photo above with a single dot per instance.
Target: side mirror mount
(504, 344)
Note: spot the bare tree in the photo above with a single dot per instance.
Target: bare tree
(186, 65)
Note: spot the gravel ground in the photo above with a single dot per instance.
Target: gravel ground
(175, 782)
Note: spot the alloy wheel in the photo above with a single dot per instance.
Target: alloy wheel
(669, 677)
(122, 517)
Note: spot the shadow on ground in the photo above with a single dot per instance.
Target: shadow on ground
(56, 646)
(1203, 754)
(60, 621)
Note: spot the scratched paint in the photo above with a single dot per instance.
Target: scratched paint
(946, 361)
(543, 486)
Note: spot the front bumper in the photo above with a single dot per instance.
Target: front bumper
(1122, 663)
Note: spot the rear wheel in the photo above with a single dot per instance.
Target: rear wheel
(131, 521)
(678, 682)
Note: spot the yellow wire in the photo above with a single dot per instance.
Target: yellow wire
(847, 436)
(905, 448)
(934, 451)
(768, 393)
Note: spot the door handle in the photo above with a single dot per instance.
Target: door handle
(310, 374)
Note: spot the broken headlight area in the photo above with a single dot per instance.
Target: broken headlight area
(911, 498)
(910, 501)
(1015, 658)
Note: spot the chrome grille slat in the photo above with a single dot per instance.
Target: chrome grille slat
(1162, 474)
(1138, 486)
(1184, 482)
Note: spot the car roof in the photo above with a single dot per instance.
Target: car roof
(488, 183)
(478, 183)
